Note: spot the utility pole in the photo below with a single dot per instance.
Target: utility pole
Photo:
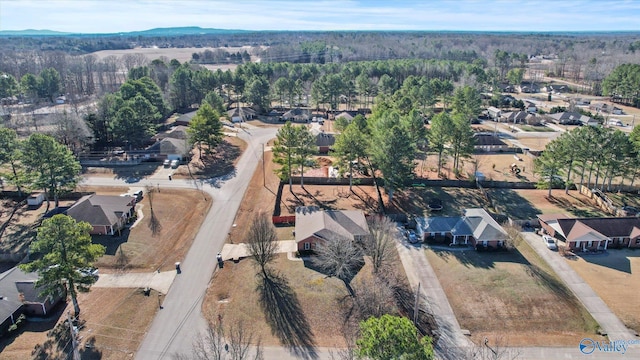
(415, 307)
(74, 341)
(264, 176)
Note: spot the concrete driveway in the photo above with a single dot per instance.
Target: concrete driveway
(608, 321)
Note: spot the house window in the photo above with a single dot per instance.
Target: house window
(307, 246)
(590, 244)
(637, 241)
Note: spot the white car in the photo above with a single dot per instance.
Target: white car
(174, 164)
(550, 242)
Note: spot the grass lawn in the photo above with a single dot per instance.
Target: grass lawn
(311, 298)
(180, 213)
(615, 277)
(513, 297)
(529, 128)
(114, 322)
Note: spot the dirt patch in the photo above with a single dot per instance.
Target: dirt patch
(510, 296)
(615, 277)
(527, 204)
(179, 212)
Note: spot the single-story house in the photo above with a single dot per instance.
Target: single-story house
(241, 114)
(557, 88)
(606, 108)
(528, 88)
(172, 149)
(185, 119)
(297, 115)
(476, 228)
(572, 118)
(590, 234)
(324, 142)
(515, 117)
(530, 107)
(106, 214)
(19, 295)
(489, 142)
(345, 115)
(494, 113)
(504, 87)
(176, 132)
(314, 226)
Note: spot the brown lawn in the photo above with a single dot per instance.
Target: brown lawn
(527, 204)
(512, 296)
(113, 323)
(615, 277)
(180, 213)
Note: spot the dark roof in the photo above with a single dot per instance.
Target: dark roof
(13, 283)
(100, 209)
(487, 139)
(186, 118)
(168, 146)
(324, 139)
(311, 221)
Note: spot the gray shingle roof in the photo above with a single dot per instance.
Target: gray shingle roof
(310, 221)
(13, 282)
(100, 209)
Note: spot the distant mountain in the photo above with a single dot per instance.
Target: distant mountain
(172, 31)
(32, 32)
(188, 30)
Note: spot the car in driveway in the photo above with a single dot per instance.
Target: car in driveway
(411, 236)
(174, 164)
(549, 242)
(166, 163)
(435, 204)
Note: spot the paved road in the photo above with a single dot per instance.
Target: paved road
(453, 344)
(607, 320)
(176, 326)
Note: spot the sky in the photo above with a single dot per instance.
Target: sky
(112, 16)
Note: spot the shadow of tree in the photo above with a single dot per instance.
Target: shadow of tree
(616, 259)
(58, 343)
(285, 316)
(485, 260)
(133, 174)
(89, 351)
(508, 201)
(111, 242)
(217, 163)
(570, 207)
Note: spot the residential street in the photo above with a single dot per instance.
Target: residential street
(178, 323)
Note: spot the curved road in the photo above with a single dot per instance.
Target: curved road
(176, 326)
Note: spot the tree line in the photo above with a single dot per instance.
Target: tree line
(591, 155)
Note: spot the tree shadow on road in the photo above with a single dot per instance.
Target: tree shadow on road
(285, 316)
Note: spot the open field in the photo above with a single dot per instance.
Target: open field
(526, 204)
(615, 277)
(513, 297)
(180, 54)
(180, 213)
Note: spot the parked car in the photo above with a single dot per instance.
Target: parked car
(411, 236)
(174, 164)
(630, 210)
(549, 242)
(89, 272)
(138, 195)
(435, 204)
(166, 163)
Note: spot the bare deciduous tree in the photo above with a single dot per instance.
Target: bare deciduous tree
(154, 223)
(340, 257)
(216, 343)
(262, 241)
(495, 349)
(374, 297)
(379, 245)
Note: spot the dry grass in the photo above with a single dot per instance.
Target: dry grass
(527, 204)
(513, 296)
(180, 213)
(114, 322)
(615, 277)
(234, 297)
(221, 162)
